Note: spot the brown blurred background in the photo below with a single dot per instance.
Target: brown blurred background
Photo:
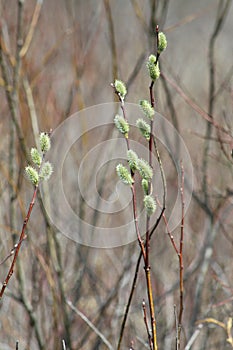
(67, 55)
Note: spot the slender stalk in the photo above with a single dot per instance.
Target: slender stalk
(32, 28)
(112, 39)
(146, 323)
(134, 283)
(14, 97)
(10, 98)
(180, 256)
(147, 260)
(129, 300)
(221, 16)
(63, 345)
(90, 324)
(151, 306)
(140, 241)
(152, 338)
(22, 236)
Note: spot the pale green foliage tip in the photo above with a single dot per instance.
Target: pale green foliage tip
(45, 143)
(144, 128)
(150, 204)
(124, 174)
(122, 125)
(32, 175)
(162, 42)
(120, 88)
(147, 109)
(153, 68)
(133, 160)
(145, 169)
(36, 157)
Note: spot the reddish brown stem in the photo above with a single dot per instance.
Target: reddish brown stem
(12, 251)
(157, 43)
(181, 256)
(21, 238)
(140, 241)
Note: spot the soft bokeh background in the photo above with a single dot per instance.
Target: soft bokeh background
(75, 50)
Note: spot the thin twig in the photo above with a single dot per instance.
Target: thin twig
(180, 255)
(112, 39)
(134, 200)
(134, 284)
(90, 324)
(11, 252)
(146, 323)
(22, 235)
(32, 110)
(32, 28)
(63, 344)
(193, 337)
(177, 328)
(147, 260)
(10, 99)
(194, 105)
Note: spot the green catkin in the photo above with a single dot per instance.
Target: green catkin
(133, 160)
(122, 125)
(149, 204)
(124, 174)
(153, 68)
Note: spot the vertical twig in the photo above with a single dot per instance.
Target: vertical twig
(112, 39)
(14, 97)
(221, 16)
(177, 328)
(179, 252)
(22, 236)
(152, 141)
(180, 256)
(32, 27)
(146, 323)
(10, 100)
(147, 261)
(134, 284)
(63, 344)
(140, 241)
